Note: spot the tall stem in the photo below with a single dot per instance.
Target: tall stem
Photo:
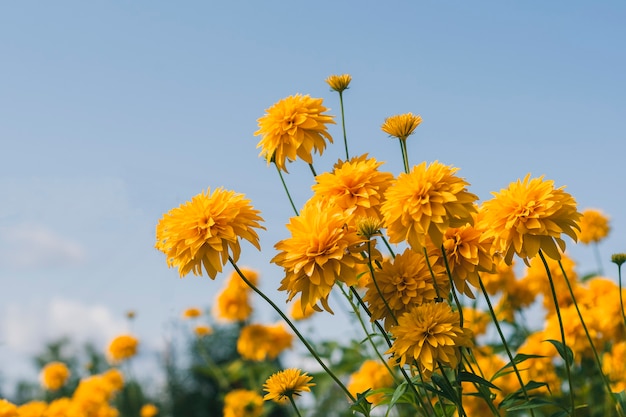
(343, 125)
(286, 189)
(621, 298)
(405, 155)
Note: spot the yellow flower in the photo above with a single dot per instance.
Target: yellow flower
(32, 409)
(7, 409)
(293, 128)
(339, 83)
(297, 313)
(427, 201)
(285, 384)
(594, 226)
(202, 330)
(536, 280)
(476, 320)
(205, 231)
(355, 185)
(232, 303)
(54, 375)
(114, 378)
(429, 334)
(321, 250)
(121, 348)
(618, 259)
(243, 403)
(148, 410)
(401, 126)
(498, 280)
(258, 342)
(58, 408)
(529, 216)
(371, 375)
(192, 313)
(404, 282)
(614, 366)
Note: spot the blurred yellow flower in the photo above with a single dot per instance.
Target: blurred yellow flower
(536, 280)
(321, 250)
(58, 408)
(7, 409)
(614, 366)
(233, 302)
(148, 410)
(32, 409)
(401, 126)
(259, 342)
(205, 231)
(192, 313)
(298, 314)
(339, 83)
(202, 330)
(427, 201)
(54, 375)
(285, 384)
(292, 128)
(594, 226)
(114, 378)
(371, 375)
(529, 216)
(121, 348)
(429, 334)
(243, 403)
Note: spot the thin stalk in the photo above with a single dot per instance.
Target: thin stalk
(313, 170)
(596, 252)
(432, 274)
(460, 404)
(486, 393)
(405, 155)
(294, 405)
(295, 330)
(393, 255)
(561, 328)
(380, 293)
(456, 298)
(286, 189)
(343, 125)
(504, 343)
(621, 298)
(607, 384)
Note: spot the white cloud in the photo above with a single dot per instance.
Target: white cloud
(30, 246)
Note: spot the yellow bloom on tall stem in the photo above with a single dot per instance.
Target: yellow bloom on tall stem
(243, 403)
(233, 302)
(529, 216)
(259, 342)
(322, 249)
(426, 201)
(429, 334)
(205, 231)
(401, 126)
(339, 83)
(121, 348)
(293, 128)
(283, 385)
(54, 375)
(594, 226)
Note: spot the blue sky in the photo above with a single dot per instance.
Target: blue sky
(112, 113)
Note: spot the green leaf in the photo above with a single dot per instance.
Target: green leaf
(563, 350)
(362, 405)
(519, 358)
(447, 391)
(469, 377)
(398, 393)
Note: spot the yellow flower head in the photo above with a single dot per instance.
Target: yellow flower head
(404, 282)
(232, 303)
(536, 280)
(529, 216)
(614, 366)
(429, 334)
(243, 403)
(285, 384)
(339, 83)
(293, 128)
(618, 259)
(148, 410)
(58, 408)
(205, 231)
(202, 330)
(297, 313)
(192, 313)
(498, 280)
(321, 250)
(54, 375)
(258, 342)
(401, 126)
(114, 378)
(7, 409)
(427, 201)
(594, 226)
(121, 348)
(371, 375)
(355, 185)
(32, 409)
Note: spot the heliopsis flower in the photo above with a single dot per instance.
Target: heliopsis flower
(429, 334)
(114, 378)
(404, 281)
(121, 348)
(202, 330)
(339, 83)
(58, 408)
(32, 409)
(529, 216)
(285, 384)
(371, 375)
(536, 280)
(148, 410)
(618, 259)
(614, 366)
(356, 186)
(498, 280)
(233, 303)
(293, 128)
(7, 409)
(259, 342)
(594, 226)
(243, 403)
(426, 201)
(297, 313)
(321, 250)
(401, 126)
(54, 375)
(602, 299)
(192, 313)
(205, 231)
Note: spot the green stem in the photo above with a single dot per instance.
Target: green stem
(432, 274)
(380, 293)
(456, 298)
(313, 170)
(295, 330)
(294, 405)
(621, 298)
(562, 330)
(389, 248)
(405, 155)
(217, 372)
(343, 124)
(596, 251)
(286, 189)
